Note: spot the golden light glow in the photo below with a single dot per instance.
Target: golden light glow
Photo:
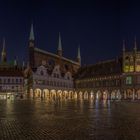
(126, 68)
(138, 68)
(131, 68)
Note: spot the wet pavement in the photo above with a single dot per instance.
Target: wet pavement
(69, 120)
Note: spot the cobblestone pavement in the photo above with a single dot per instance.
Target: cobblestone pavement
(69, 120)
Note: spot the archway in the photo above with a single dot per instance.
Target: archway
(46, 93)
(80, 95)
(92, 96)
(85, 95)
(37, 93)
(118, 95)
(53, 94)
(31, 94)
(75, 95)
(98, 95)
(113, 95)
(105, 95)
(70, 94)
(138, 94)
(59, 94)
(129, 94)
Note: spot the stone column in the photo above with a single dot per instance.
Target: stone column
(124, 94)
(133, 96)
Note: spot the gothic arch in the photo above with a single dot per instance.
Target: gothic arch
(92, 95)
(59, 93)
(53, 93)
(46, 93)
(113, 95)
(105, 95)
(138, 94)
(31, 94)
(85, 95)
(129, 93)
(80, 94)
(37, 93)
(118, 94)
(98, 95)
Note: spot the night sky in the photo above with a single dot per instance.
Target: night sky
(99, 26)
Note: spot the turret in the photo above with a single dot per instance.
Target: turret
(123, 46)
(123, 56)
(31, 47)
(79, 56)
(31, 37)
(135, 52)
(15, 62)
(59, 49)
(135, 45)
(3, 53)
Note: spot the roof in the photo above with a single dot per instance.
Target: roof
(54, 55)
(8, 69)
(11, 73)
(103, 68)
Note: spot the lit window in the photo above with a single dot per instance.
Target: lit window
(128, 80)
(138, 68)
(126, 68)
(131, 68)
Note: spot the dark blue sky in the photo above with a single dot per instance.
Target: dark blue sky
(99, 26)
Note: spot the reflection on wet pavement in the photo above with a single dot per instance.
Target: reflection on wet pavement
(69, 120)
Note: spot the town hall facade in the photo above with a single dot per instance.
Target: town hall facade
(49, 74)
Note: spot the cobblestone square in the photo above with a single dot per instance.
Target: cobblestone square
(69, 120)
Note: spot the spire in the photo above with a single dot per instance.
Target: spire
(15, 61)
(23, 64)
(135, 44)
(59, 49)
(3, 54)
(123, 45)
(31, 38)
(3, 46)
(79, 55)
(31, 33)
(59, 43)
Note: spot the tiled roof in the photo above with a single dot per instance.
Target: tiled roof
(99, 69)
(11, 72)
(54, 55)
